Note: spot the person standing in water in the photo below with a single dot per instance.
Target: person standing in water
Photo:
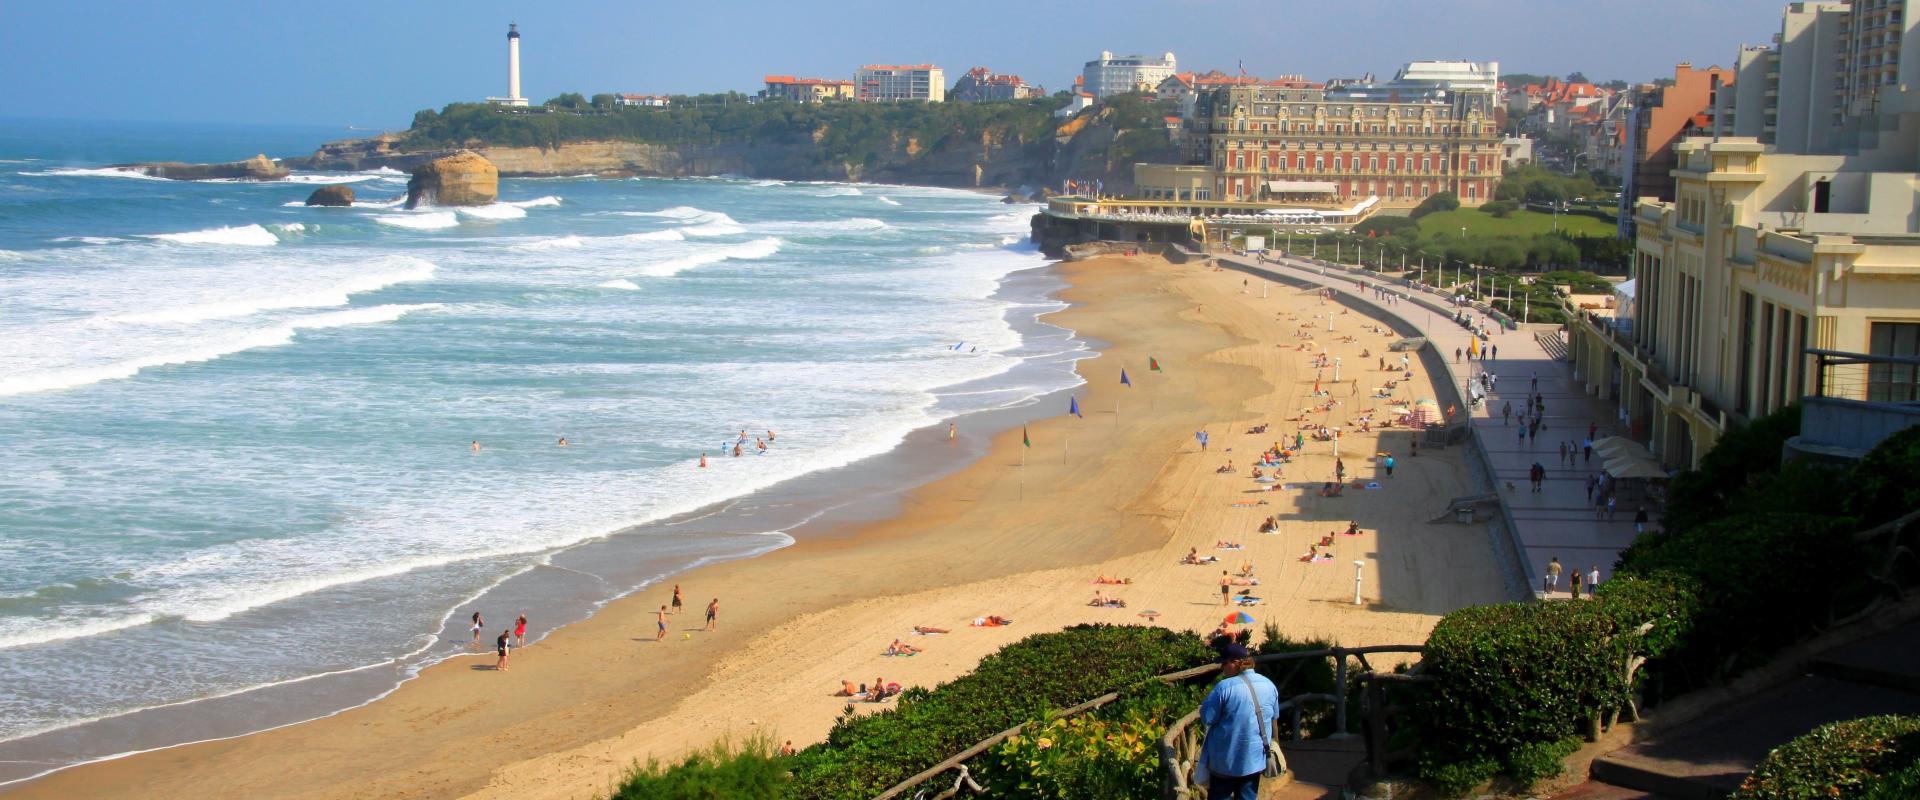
(476, 445)
(953, 432)
(478, 623)
(520, 631)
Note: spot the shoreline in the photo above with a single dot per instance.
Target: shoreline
(556, 729)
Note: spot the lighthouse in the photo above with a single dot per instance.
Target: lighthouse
(513, 97)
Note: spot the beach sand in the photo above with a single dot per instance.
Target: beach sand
(1121, 494)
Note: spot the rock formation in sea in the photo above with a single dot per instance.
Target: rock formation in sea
(463, 179)
(258, 168)
(331, 196)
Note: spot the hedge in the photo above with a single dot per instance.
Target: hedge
(1106, 754)
(1871, 757)
(720, 770)
(864, 755)
(1883, 488)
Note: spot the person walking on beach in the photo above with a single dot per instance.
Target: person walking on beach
(1553, 574)
(478, 623)
(953, 432)
(1388, 463)
(1226, 587)
(520, 631)
(1339, 469)
(713, 613)
(676, 598)
(501, 647)
(1239, 714)
(660, 620)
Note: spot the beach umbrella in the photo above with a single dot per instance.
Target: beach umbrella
(1239, 618)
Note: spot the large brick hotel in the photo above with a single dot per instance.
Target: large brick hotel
(1431, 129)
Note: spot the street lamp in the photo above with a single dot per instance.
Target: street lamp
(1358, 565)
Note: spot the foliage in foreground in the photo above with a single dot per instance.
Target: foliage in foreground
(721, 770)
(1872, 758)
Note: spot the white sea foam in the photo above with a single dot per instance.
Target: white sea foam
(676, 212)
(619, 283)
(420, 221)
(668, 235)
(888, 200)
(20, 636)
(87, 240)
(745, 251)
(101, 172)
(494, 211)
(724, 226)
(828, 227)
(247, 235)
(308, 177)
(556, 243)
(400, 269)
(538, 202)
(289, 227)
(279, 334)
(840, 191)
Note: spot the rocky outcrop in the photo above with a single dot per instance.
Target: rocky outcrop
(331, 196)
(258, 168)
(463, 179)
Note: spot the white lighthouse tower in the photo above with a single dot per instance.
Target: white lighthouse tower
(513, 97)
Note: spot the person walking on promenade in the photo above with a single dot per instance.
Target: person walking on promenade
(1534, 383)
(1536, 473)
(1573, 585)
(1506, 413)
(1586, 447)
(1493, 352)
(1553, 574)
(1593, 482)
(713, 613)
(1593, 580)
(1239, 714)
(1456, 355)
(1593, 429)
(1610, 504)
(1640, 519)
(1563, 454)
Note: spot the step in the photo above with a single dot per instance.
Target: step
(1595, 790)
(1706, 759)
(1325, 762)
(1891, 660)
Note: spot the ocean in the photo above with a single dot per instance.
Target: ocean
(242, 486)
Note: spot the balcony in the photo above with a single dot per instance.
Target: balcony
(1858, 401)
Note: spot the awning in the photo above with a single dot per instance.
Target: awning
(1615, 446)
(1626, 287)
(1625, 468)
(1303, 187)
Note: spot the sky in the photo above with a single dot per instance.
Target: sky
(372, 64)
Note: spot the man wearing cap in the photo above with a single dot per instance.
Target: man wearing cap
(1239, 715)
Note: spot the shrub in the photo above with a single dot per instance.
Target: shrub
(1380, 225)
(1882, 488)
(1858, 758)
(721, 770)
(1498, 208)
(1703, 495)
(1670, 600)
(1109, 753)
(1537, 761)
(1517, 674)
(1440, 201)
(864, 755)
(1456, 777)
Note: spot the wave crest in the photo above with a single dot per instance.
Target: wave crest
(245, 235)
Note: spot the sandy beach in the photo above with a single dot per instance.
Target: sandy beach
(1124, 491)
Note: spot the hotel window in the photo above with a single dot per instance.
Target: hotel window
(1319, 164)
(1894, 383)
(1389, 191)
(1373, 163)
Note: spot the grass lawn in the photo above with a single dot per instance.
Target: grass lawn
(1519, 223)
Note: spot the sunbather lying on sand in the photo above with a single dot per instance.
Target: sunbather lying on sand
(899, 648)
(926, 631)
(1194, 557)
(1112, 581)
(991, 622)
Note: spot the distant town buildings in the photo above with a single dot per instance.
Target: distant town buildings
(513, 97)
(1431, 129)
(805, 90)
(1663, 115)
(1794, 228)
(979, 85)
(1108, 75)
(642, 101)
(883, 83)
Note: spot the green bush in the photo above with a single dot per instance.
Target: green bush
(1537, 761)
(866, 754)
(1438, 201)
(1883, 488)
(1859, 758)
(1670, 600)
(1497, 208)
(721, 770)
(1517, 674)
(1109, 753)
(1456, 777)
(1381, 225)
(1740, 457)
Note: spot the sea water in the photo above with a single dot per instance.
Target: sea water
(240, 433)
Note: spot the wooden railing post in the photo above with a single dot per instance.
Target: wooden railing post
(1340, 692)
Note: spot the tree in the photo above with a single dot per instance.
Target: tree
(605, 101)
(570, 101)
(1386, 226)
(1440, 201)
(425, 118)
(1577, 76)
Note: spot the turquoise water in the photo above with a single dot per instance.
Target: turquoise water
(239, 430)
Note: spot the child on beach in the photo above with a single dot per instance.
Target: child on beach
(713, 612)
(520, 632)
(660, 619)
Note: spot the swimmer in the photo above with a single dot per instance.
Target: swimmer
(562, 442)
(476, 446)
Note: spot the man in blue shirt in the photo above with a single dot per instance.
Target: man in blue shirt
(1235, 750)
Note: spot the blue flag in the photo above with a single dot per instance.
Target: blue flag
(1123, 378)
(1073, 406)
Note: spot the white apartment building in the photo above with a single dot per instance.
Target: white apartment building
(1109, 75)
(888, 83)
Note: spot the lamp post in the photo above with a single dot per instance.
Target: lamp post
(1358, 567)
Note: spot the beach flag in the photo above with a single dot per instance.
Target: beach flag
(1153, 364)
(1123, 378)
(1025, 441)
(1073, 406)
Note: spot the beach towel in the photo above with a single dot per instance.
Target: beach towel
(1372, 486)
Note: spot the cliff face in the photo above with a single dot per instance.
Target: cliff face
(987, 160)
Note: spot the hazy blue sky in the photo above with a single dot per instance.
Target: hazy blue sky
(352, 62)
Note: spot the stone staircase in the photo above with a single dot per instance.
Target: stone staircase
(1706, 758)
(1554, 348)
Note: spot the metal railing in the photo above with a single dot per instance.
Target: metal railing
(1865, 377)
(1292, 708)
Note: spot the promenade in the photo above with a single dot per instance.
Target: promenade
(1559, 521)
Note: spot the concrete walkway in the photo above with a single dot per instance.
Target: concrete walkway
(1557, 522)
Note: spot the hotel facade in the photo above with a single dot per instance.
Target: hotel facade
(882, 83)
(806, 90)
(1432, 129)
(1802, 237)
